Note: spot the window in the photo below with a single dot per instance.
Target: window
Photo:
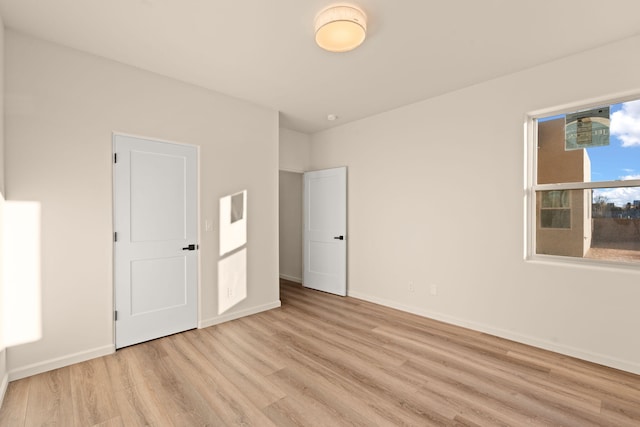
(585, 183)
(555, 209)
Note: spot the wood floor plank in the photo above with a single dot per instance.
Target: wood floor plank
(139, 407)
(376, 408)
(136, 402)
(367, 376)
(308, 393)
(288, 412)
(256, 387)
(241, 344)
(540, 386)
(368, 400)
(323, 360)
(623, 414)
(114, 422)
(91, 394)
(14, 406)
(263, 324)
(49, 400)
(369, 352)
(219, 395)
(125, 370)
(234, 340)
(181, 402)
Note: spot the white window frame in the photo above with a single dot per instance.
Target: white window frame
(531, 178)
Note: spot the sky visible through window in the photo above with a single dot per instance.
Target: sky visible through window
(620, 160)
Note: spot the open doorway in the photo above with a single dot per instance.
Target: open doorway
(291, 194)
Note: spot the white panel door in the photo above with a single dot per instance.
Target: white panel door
(325, 230)
(155, 249)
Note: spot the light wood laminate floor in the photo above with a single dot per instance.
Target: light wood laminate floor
(323, 360)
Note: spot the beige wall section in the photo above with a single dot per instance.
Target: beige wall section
(4, 377)
(3, 354)
(2, 92)
(436, 197)
(291, 184)
(294, 150)
(63, 107)
(555, 164)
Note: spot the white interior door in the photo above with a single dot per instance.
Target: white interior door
(325, 230)
(155, 248)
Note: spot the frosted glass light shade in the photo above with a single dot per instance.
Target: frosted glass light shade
(340, 28)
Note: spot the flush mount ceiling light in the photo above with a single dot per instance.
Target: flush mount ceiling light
(340, 28)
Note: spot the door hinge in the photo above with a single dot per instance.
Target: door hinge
(115, 236)
(115, 157)
(115, 315)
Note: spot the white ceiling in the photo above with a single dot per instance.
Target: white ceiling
(263, 51)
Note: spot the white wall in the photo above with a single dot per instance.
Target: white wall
(3, 355)
(436, 197)
(1, 106)
(291, 185)
(62, 107)
(295, 150)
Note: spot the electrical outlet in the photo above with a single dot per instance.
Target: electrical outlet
(433, 289)
(411, 287)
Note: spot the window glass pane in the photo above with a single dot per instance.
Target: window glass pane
(597, 224)
(555, 218)
(616, 224)
(555, 199)
(619, 159)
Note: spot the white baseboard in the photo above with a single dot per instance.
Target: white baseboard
(60, 362)
(291, 278)
(237, 314)
(3, 388)
(601, 359)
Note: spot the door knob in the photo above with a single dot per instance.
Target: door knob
(339, 237)
(190, 248)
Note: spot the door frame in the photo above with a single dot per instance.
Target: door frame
(113, 225)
